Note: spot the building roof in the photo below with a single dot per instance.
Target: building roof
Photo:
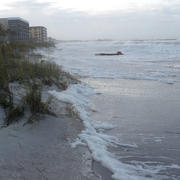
(4, 18)
(18, 18)
(38, 27)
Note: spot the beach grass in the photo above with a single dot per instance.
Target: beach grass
(18, 64)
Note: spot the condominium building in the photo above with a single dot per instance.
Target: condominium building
(38, 33)
(18, 29)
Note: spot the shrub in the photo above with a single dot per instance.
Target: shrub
(4, 100)
(34, 98)
(3, 73)
(33, 72)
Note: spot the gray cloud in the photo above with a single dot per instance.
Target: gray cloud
(161, 22)
(29, 4)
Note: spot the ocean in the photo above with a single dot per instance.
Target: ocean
(129, 104)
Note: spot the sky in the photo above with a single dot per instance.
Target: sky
(99, 19)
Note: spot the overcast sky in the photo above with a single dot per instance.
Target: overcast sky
(94, 19)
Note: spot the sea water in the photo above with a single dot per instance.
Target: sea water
(148, 60)
(129, 104)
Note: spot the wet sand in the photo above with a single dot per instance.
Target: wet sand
(145, 113)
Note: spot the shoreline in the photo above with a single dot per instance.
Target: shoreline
(26, 154)
(86, 63)
(145, 114)
(43, 149)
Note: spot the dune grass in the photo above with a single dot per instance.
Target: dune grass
(32, 73)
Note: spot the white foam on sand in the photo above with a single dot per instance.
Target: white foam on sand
(97, 141)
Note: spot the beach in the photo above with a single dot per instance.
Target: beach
(90, 90)
(39, 131)
(128, 105)
(119, 120)
(43, 150)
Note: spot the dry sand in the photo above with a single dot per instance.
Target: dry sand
(43, 150)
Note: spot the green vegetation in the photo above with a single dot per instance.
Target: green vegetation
(34, 99)
(5, 100)
(3, 32)
(14, 112)
(19, 64)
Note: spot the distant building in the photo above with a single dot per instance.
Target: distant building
(4, 28)
(4, 23)
(18, 29)
(38, 33)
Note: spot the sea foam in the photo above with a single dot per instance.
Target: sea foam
(97, 141)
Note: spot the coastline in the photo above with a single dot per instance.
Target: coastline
(77, 124)
(146, 114)
(42, 149)
(92, 138)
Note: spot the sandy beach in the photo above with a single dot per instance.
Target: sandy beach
(39, 142)
(89, 90)
(39, 151)
(43, 150)
(131, 113)
(120, 122)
